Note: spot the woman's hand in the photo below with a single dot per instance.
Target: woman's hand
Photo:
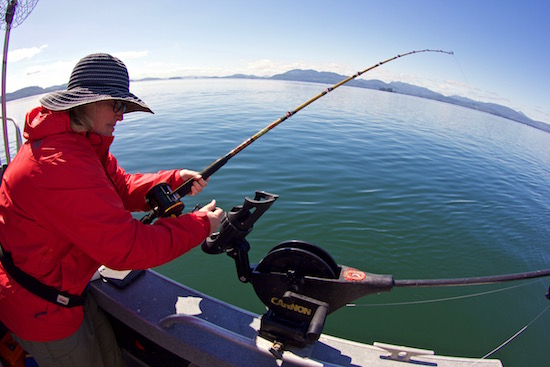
(198, 184)
(214, 215)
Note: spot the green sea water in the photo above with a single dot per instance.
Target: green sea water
(386, 183)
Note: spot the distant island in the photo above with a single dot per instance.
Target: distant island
(313, 76)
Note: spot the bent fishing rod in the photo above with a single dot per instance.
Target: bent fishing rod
(165, 202)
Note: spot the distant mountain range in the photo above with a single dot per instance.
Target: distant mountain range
(314, 76)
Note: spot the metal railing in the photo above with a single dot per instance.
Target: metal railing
(18, 139)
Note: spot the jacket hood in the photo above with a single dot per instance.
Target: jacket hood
(41, 122)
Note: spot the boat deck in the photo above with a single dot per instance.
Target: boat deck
(205, 331)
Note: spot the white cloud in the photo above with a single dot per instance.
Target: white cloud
(130, 55)
(46, 75)
(163, 69)
(42, 75)
(541, 114)
(56, 68)
(25, 53)
(270, 68)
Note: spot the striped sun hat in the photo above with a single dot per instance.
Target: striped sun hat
(96, 77)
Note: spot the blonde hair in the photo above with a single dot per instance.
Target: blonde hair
(80, 118)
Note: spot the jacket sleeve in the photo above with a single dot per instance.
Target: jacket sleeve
(90, 215)
(132, 188)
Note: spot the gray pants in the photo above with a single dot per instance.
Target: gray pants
(93, 344)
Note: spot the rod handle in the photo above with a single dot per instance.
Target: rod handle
(185, 188)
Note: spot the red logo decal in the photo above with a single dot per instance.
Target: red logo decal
(354, 275)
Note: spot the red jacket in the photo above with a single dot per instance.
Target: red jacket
(65, 209)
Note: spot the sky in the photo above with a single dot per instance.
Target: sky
(501, 47)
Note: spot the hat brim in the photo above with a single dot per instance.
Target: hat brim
(67, 99)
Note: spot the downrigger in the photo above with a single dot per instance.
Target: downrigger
(300, 283)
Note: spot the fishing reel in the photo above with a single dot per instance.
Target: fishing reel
(299, 282)
(163, 201)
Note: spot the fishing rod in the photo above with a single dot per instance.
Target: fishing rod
(164, 202)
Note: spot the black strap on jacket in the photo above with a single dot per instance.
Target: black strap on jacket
(38, 288)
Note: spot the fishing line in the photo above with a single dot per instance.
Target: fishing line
(185, 188)
(464, 76)
(441, 299)
(473, 98)
(512, 337)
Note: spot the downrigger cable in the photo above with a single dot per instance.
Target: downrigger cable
(164, 202)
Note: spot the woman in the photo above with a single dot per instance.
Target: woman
(65, 209)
